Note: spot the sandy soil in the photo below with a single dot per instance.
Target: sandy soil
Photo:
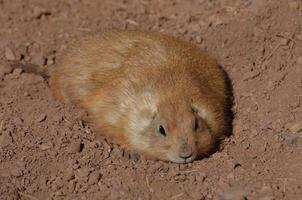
(49, 151)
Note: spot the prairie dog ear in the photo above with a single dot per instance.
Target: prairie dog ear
(201, 110)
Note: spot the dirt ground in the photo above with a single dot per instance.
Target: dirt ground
(49, 151)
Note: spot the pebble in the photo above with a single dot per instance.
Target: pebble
(290, 138)
(71, 186)
(231, 176)
(50, 61)
(26, 94)
(284, 41)
(38, 59)
(215, 20)
(251, 75)
(57, 184)
(295, 126)
(39, 12)
(41, 117)
(44, 147)
(83, 172)
(234, 194)
(94, 178)
(17, 72)
(198, 39)
(267, 198)
(5, 139)
(16, 171)
(74, 147)
(69, 174)
(293, 5)
(9, 54)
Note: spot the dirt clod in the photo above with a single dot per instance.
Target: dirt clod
(41, 117)
(9, 54)
(295, 126)
(294, 5)
(75, 147)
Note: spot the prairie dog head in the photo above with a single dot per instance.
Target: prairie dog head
(170, 129)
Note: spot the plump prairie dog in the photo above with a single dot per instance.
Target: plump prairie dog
(151, 93)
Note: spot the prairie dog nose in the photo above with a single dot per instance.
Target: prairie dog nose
(185, 151)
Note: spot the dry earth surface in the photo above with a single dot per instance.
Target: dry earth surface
(49, 151)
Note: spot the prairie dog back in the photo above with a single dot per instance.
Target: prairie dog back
(151, 93)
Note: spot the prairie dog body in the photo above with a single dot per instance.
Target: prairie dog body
(150, 93)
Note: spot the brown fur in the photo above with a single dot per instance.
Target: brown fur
(132, 82)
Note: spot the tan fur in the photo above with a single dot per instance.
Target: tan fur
(132, 82)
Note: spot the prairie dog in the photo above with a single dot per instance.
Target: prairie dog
(151, 93)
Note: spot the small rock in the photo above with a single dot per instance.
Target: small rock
(234, 194)
(17, 72)
(198, 39)
(250, 75)
(39, 12)
(41, 117)
(16, 171)
(290, 138)
(284, 41)
(75, 147)
(5, 139)
(57, 184)
(83, 172)
(293, 5)
(9, 54)
(267, 198)
(215, 20)
(295, 126)
(50, 61)
(17, 121)
(231, 176)
(71, 186)
(94, 178)
(69, 174)
(38, 59)
(44, 147)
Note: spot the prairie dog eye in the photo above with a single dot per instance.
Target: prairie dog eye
(162, 131)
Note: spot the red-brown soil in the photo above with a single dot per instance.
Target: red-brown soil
(49, 151)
